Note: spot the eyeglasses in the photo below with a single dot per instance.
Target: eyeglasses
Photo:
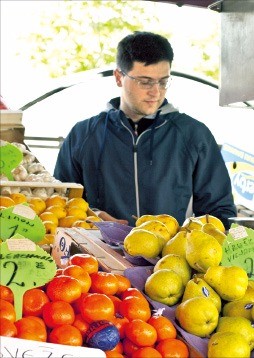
(164, 83)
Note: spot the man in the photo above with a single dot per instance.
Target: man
(141, 156)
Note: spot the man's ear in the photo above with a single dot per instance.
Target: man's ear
(118, 76)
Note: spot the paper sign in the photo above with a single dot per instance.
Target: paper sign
(22, 348)
(238, 249)
(240, 165)
(11, 157)
(24, 265)
(21, 219)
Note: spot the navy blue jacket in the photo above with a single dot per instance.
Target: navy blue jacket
(174, 161)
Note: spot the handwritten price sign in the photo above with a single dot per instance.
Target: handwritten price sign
(10, 158)
(24, 265)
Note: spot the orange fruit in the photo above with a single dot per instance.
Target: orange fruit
(81, 223)
(129, 347)
(132, 291)
(164, 327)
(59, 211)
(172, 348)
(64, 288)
(81, 324)
(56, 199)
(48, 216)
(117, 349)
(58, 313)
(96, 306)
(141, 333)
(6, 294)
(37, 204)
(133, 307)
(32, 328)
(104, 282)
(120, 323)
(80, 202)
(67, 335)
(67, 221)
(33, 302)
(81, 275)
(113, 354)
(50, 227)
(77, 212)
(18, 198)
(88, 262)
(146, 352)
(47, 240)
(6, 201)
(123, 283)
(116, 300)
(7, 310)
(7, 328)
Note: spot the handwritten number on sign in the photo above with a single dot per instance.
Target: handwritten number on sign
(15, 268)
(15, 228)
(251, 272)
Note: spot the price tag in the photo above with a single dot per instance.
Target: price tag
(21, 219)
(24, 265)
(238, 249)
(10, 158)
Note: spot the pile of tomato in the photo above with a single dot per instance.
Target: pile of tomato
(63, 310)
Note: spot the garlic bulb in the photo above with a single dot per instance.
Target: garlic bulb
(19, 173)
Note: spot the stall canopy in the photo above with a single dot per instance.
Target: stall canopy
(200, 3)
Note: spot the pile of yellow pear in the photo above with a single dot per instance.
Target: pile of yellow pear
(210, 300)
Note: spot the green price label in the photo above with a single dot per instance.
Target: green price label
(10, 158)
(238, 249)
(21, 219)
(24, 265)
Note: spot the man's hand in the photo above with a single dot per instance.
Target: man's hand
(106, 217)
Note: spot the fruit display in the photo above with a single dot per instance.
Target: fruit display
(84, 306)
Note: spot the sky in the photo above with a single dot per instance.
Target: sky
(18, 18)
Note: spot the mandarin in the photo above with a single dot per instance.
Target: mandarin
(172, 348)
(48, 216)
(59, 211)
(32, 328)
(129, 347)
(123, 283)
(113, 354)
(132, 291)
(6, 201)
(164, 327)
(76, 211)
(81, 275)
(37, 204)
(104, 282)
(50, 227)
(18, 198)
(116, 300)
(67, 221)
(146, 352)
(141, 333)
(96, 306)
(79, 202)
(88, 262)
(66, 334)
(7, 328)
(33, 302)
(7, 310)
(64, 288)
(133, 307)
(56, 199)
(6, 294)
(81, 324)
(121, 324)
(81, 223)
(58, 313)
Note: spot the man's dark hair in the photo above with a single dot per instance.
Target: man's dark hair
(145, 47)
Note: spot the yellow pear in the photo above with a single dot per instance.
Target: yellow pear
(143, 219)
(237, 325)
(157, 227)
(171, 223)
(212, 230)
(212, 219)
(198, 316)
(202, 250)
(229, 282)
(228, 345)
(143, 243)
(238, 308)
(191, 224)
(176, 263)
(165, 286)
(198, 287)
(176, 245)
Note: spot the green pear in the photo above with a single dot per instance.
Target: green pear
(198, 287)
(164, 286)
(198, 316)
(229, 282)
(191, 224)
(237, 325)
(238, 308)
(176, 263)
(212, 230)
(202, 250)
(176, 245)
(228, 345)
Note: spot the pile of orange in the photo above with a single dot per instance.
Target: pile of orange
(55, 211)
(62, 311)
